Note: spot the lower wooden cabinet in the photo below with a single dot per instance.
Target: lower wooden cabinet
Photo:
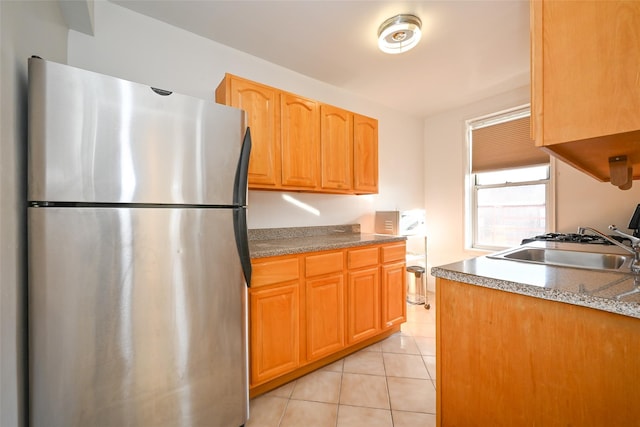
(393, 290)
(310, 309)
(505, 359)
(324, 303)
(274, 318)
(364, 304)
(274, 337)
(393, 285)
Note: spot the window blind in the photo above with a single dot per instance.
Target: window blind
(504, 145)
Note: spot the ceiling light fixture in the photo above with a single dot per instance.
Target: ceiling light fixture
(399, 34)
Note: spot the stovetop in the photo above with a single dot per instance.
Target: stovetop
(573, 238)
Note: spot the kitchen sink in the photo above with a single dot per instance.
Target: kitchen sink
(567, 258)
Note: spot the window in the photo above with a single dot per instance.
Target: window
(509, 194)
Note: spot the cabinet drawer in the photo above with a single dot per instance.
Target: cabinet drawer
(363, 257)
(323, 263)
(393, 252)
(273, 271)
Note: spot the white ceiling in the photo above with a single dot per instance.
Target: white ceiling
(470, 50)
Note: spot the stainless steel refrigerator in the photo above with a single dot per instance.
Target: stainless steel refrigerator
(138, 258)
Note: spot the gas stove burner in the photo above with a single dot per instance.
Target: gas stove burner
(572, 238)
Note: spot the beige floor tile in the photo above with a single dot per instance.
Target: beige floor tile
(365, 362)
(283, 390)
(364, 390)
(373, 347)
(405, 365)
(266, 411)
(318, 386)
(413, 395)
(427, 346)
(335, 366)
(430, 362)
(413, 419)
(400, 343)
(420, 329)
(355, 416)
(301, 413)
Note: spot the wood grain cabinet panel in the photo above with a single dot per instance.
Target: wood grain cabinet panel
(260, 102)
(324, 263)
(363, 304)
(585, 82)
(366, 257)
(336, 144)
(311, 309)
(303, 145)
(300, 145)
(505, 359)
(393, 289)
(275, 270)
(324, 316)
(365, 155)
(274, 332)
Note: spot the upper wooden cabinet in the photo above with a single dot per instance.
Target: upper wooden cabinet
(299, 144)
(586, 84)
(300, 149)
(365, 154)
(336, 145)
(262, 104)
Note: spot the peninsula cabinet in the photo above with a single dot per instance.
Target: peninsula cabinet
(311, 309)
(505, 359)
(299, 144)
(585, 85)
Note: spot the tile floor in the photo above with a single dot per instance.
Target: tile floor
(388, 384)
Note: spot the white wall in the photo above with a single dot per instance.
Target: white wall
(580, 200)
(27, 28)
(134, 47)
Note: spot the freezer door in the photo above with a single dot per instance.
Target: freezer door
(137, 317)
(95, 138)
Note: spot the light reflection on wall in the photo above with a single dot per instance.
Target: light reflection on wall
(301, 205)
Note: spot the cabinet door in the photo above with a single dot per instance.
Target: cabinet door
(365, 154)
(274, 332)
(589, 54)
(363, 304)
(394, 294)
(336, 145)
(260, 103)
(584, 81)
(300, 148)
(324, 316)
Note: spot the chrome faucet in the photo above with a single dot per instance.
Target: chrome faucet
(634, 249)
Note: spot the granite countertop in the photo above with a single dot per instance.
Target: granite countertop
(589, 288)
(266, 242)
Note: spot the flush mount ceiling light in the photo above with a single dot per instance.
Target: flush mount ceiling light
(399, 34)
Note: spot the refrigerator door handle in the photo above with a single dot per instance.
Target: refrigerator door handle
(240, 185)
(242, 241)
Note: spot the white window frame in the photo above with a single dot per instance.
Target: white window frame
(471, 216)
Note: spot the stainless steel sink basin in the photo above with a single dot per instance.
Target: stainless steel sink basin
(567, 258)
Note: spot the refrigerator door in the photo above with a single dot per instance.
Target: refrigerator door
(99, 139)
(137, 317)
